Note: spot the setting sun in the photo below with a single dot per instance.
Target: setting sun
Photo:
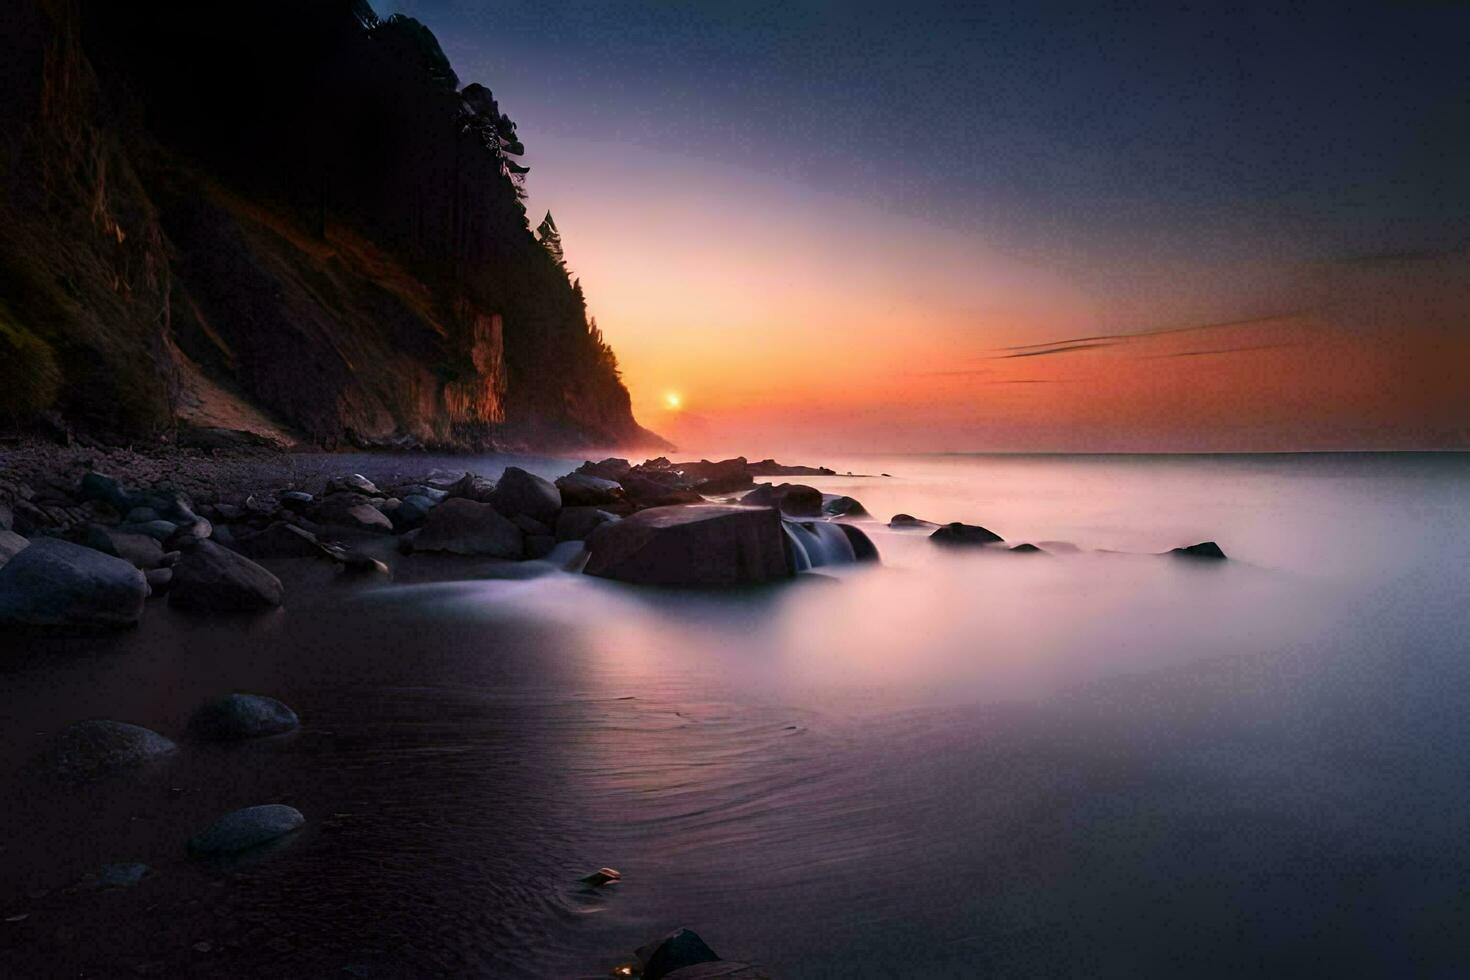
(673, 401)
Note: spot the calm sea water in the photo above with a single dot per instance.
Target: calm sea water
(1097, 762)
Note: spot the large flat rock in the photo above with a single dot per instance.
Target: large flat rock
(694, 545)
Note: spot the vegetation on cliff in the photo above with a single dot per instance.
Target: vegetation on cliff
(293, 207)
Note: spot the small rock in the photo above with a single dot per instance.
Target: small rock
(159, 580)
(906, 521)
(94, 747)
(1208, 550)
(679, 949)
(240, 716)
(214, 579)
(142, 515)
(280, 540)
(353, 483)
(296, 500)
(247, 828)
(601, 877)
(843, 507)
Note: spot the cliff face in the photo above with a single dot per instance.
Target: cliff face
(283, 218)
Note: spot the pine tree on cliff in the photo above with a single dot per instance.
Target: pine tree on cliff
(550, 240)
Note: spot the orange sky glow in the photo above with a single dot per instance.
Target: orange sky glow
(785, 319)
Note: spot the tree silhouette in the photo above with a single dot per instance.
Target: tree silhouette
(550, 240)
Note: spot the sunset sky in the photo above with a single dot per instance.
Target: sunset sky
(932, 227)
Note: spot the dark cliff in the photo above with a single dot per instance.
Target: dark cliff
(281, 217)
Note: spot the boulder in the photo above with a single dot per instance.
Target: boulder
(795, 499)
(964, 535)
(585, 490)
(529, 525)
(405, 490)
(139, 550)
(96, 747)
(650, 493)
(412, 511)
(679, 949)
(520, 492)
(694, 545)
(247, 828)
(863, 548)
(141, 515)
(53, 582)
(539, 545)
(241, 716)
(1207, 550)
(611, 468)
(576, 523)
(11, 544)
(464, 527)
(213, 578)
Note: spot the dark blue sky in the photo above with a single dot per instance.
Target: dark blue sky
(1210, 130)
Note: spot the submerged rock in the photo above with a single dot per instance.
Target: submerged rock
(247, 828)
(98, 746)
(124, 875)
(909, 522)
(464, 527)
(1207, 550)
(964, 535)
(53, 582)
(520, 492)
(1027, 549)
(601, 876)
(695, 545)
(842, 506)
(213, 578)
(240, 716)
(678, 950)
(795, 499)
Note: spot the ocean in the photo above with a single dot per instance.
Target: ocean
(1094, 761)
